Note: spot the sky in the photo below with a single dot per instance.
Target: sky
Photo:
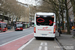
(31, 2)
(28, 2)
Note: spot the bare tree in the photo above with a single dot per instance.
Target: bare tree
(12, 8)
(73, 4)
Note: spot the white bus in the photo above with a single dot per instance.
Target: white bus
(44, 25)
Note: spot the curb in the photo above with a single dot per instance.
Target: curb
(60, 44)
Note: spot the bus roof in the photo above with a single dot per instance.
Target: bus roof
(44, 13)
(2, 22)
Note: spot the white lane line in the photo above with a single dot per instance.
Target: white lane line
(41, 43)
(45, 43)
(14, 40)
(25, 44)
(45, 47)
(40, 48)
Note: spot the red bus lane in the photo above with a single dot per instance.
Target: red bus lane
(14, 45)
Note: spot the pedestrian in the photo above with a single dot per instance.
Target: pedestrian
(59, 30)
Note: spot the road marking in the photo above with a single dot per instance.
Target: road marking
(40, 47)
(45, 47)
(41, 43)
(25, 44)
(45, 43)
(14, 40)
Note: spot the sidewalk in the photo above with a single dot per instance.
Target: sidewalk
(12, 29)
(67, 41)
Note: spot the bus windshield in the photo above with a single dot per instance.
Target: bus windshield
(4, 25)
(45, 20)
(19, 25)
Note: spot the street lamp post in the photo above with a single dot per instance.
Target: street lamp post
(68, 26)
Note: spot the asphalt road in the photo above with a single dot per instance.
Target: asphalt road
(42, 44)
(6, 37)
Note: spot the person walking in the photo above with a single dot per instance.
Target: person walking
(59, 30)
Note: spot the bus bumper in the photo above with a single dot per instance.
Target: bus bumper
(44, 35)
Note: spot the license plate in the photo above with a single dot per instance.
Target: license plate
(44, 34)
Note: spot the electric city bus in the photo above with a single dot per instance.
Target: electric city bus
(3, 26)
(44, 25)
(18, 26)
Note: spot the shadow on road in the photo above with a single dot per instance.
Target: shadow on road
(43, 38)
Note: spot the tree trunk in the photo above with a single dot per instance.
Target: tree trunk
(8, 19)
(56, 18)
(59, 13)
(62, 20)
(12, 21)
(68, 24)
(3, 17)
(62, 15)
(16, 19)
(73, 4)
